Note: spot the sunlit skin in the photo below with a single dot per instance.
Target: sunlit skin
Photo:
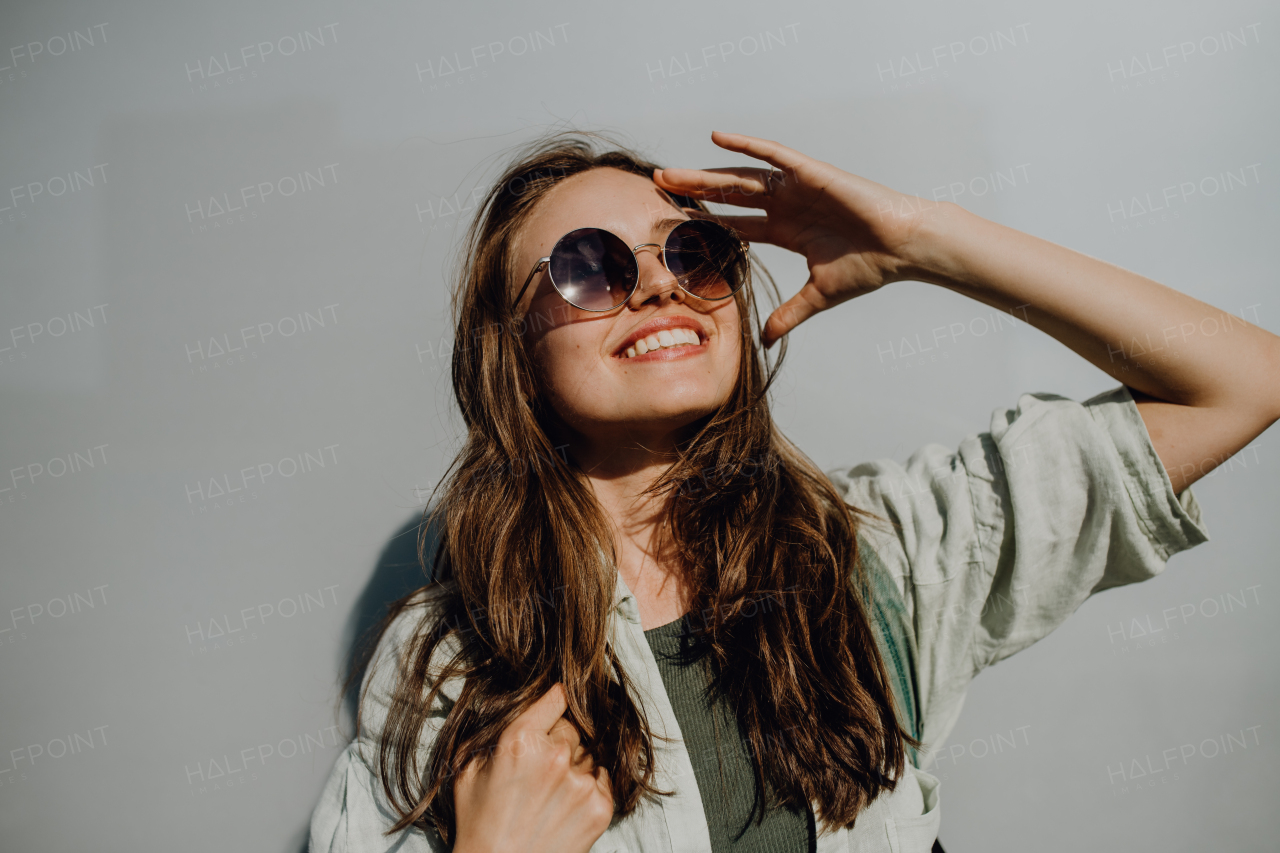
(622, 412)
(613, 401)
(1209, 398)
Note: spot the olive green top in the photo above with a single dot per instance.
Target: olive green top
(721, 757)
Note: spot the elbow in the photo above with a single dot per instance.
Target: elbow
(1270, 382)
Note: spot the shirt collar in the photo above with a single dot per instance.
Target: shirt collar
(624, 602)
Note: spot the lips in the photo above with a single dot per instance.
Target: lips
(661, 333)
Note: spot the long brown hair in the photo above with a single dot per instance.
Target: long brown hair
(528, 598)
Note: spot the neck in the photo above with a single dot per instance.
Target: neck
(620, 470)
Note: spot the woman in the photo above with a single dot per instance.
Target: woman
(657, 625)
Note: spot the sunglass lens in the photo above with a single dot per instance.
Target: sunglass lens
(593, 269)
(707, 258)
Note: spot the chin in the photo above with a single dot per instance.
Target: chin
(634, 415)
(670, 417)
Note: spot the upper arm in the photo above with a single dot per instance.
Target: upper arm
(354, 813)
(1193, 440)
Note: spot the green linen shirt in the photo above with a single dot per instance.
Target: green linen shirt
(990, 547)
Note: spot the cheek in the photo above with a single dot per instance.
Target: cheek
(731, 333)
(731, 362)
(562, 361)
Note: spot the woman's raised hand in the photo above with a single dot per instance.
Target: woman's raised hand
(539, 790)
(855, 234)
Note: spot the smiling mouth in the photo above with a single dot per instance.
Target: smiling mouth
(666, 339)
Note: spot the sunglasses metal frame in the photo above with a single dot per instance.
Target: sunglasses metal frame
(542, 262)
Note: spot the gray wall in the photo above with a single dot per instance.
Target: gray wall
(122, 286)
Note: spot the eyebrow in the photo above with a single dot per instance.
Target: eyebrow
(666, 224)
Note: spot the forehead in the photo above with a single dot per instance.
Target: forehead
(622, 202)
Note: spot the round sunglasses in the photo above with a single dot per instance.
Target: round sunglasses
(593, 269)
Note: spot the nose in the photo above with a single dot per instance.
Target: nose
(655, 279)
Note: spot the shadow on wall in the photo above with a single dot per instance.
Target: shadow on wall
(398, 572)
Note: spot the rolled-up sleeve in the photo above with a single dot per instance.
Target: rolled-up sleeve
(353, 813)
(992, 545)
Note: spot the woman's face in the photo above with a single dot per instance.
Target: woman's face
(581, 356)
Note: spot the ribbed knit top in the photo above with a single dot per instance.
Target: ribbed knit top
(721, 757)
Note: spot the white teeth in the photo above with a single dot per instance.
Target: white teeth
(663, 340)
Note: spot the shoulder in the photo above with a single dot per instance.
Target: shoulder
(419, 610)
(392, 659)
(1044, 455)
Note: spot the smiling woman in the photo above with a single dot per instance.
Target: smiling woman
(623, 653)
(624, 395)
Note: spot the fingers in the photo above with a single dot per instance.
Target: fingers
(774, 153)
(754, 229)
(748, 187)
(564, 732)
(536, 725)
(792, 313)
(745, 187)
(603, 782)
(543, 715)
(545, 788)
(582, 760)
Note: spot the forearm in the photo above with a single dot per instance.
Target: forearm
(1150, 337)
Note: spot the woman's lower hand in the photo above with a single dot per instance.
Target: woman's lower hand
(539, 790)
(855, 234)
